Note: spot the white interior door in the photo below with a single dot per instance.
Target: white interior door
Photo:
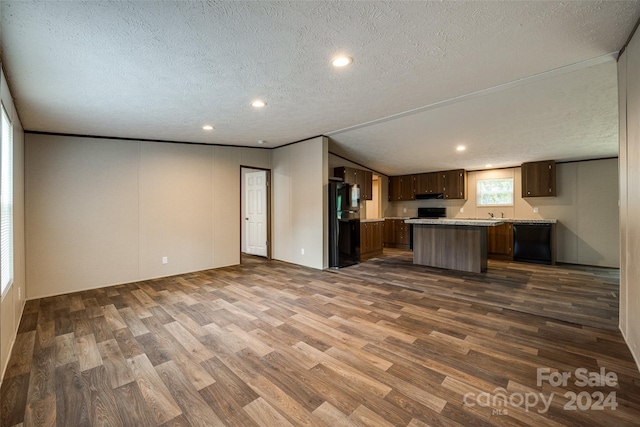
(256, 212)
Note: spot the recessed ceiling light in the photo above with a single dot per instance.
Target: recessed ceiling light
(461, 148)
(261, 141)
(207, 127)
(342, 61)
(488, 165)
(258, 103)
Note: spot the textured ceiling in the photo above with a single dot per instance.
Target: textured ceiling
(568, 114)
(160, 70)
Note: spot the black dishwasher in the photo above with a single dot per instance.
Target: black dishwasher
(532, 243)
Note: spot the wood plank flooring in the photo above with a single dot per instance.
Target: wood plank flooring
(268, 343)
(578, 294)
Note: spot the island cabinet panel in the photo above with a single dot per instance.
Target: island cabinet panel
(461, 248)
(402, 188)
(371, 239)
(397, 234)
(539, 179)
(500, 242)
(361, 177)
(454, 184)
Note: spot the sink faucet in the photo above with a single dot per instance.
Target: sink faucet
(501, 214)
(491, 214)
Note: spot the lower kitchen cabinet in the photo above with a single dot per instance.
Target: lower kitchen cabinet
(371, 239)
(397, 234)
(500, 242)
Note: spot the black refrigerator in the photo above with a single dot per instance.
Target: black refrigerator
(344, 224)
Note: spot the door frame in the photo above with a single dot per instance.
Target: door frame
(242, 202)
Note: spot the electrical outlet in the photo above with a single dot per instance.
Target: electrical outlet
(404, 210)
(19, 293)
(302, 251)
(461, 210)
(165, 260)
(535, 210)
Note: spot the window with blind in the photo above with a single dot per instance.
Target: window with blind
(6, 203)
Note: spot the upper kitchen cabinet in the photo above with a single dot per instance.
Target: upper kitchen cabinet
(363, 178)
(451, 184)
(454, 184)
(429, 183)
(539, 179)
(402, 188)
(348, 175)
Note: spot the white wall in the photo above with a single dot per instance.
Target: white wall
(175, 208)
(12, 302)
(629, 90)
(102, 212)
(586, 208)
(300, 190)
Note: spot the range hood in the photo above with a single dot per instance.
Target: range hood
(427, 196)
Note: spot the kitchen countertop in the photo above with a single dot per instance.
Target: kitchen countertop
(454, 221)
(517, 220)
(441, 220)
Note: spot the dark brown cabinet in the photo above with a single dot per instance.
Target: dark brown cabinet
(539, 179)
(361, 177)
(500, 242)
(348, 175)
(365, 181)
(429, 183)
(454, 185)
(402, 188)
(395, 189)
(396, 233)
(389, 232)
(451, 184)
(371, 239)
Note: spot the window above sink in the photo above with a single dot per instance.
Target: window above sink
(494, 192)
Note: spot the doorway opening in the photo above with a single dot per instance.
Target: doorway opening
(255, 209)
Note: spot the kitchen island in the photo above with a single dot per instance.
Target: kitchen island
(456, 244)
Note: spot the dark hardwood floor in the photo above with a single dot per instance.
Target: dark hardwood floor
(384, 343)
